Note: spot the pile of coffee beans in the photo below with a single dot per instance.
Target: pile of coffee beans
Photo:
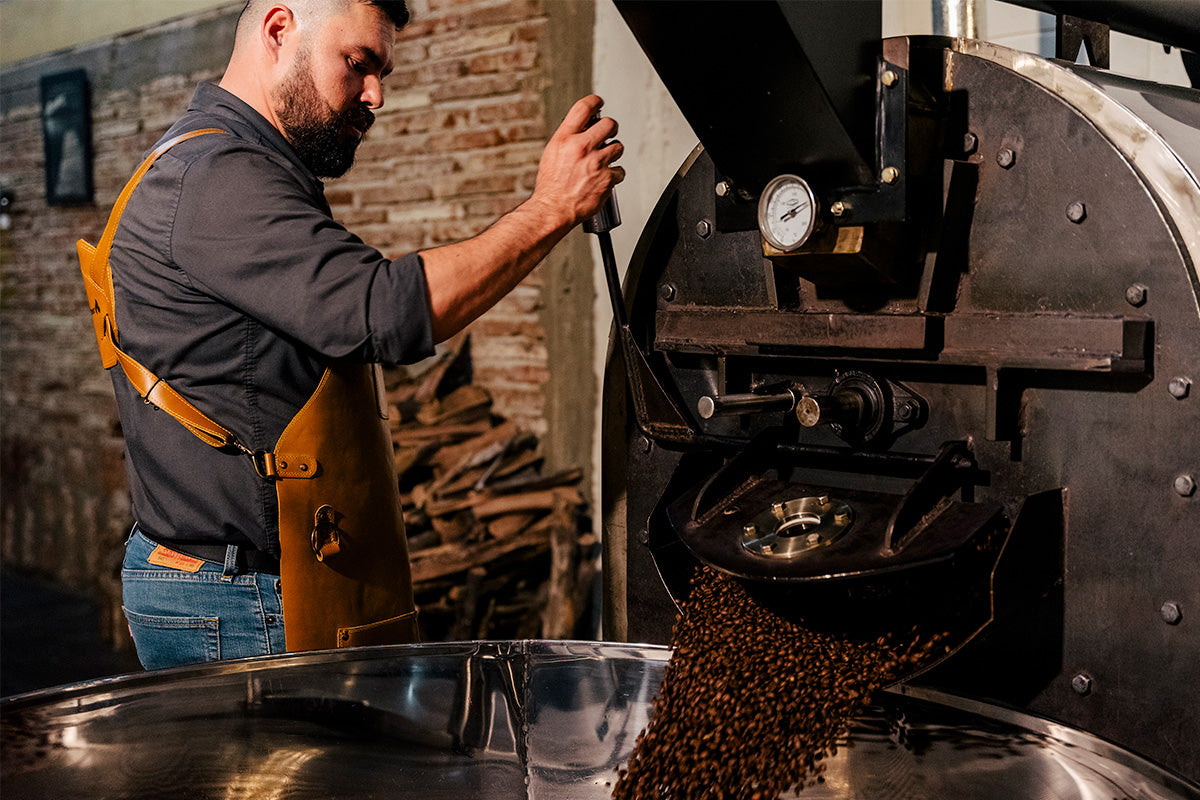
(751, 703)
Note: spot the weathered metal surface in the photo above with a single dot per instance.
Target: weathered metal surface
(1052, 322)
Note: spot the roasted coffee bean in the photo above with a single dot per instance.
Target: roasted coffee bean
(751, 703)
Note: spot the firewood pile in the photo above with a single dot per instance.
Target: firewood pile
(499, 549)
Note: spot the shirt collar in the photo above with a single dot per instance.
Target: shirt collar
(243, 120)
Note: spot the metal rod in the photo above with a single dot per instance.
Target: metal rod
(711, 406)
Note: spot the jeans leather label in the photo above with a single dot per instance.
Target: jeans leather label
(165, 557)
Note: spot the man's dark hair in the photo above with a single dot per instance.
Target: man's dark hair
(396, 10)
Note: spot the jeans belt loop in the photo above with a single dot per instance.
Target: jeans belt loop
(231, 559)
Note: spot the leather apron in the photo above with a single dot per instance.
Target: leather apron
(344, 558)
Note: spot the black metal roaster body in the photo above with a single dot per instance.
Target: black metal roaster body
(959, 401)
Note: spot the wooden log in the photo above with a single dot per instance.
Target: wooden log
(544, 500)
(465, 404)
(437, 562)
(416, 435)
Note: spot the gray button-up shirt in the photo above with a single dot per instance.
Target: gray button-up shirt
(235, 285)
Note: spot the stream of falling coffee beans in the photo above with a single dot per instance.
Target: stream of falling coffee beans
(751, 703)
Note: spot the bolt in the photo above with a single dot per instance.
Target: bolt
(667, 292)
(1077, 212)
(906, 411)
(970, 142)
(889, 77)
(1082, 684)
(704, 229)
(1179, 387)
(723, 188)
(1171, 613)
(1135, 294)
(1185, 485)
(838, 208)
(890, 174)
(1006, 158)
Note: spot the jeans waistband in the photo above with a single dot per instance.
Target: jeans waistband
(248, 559)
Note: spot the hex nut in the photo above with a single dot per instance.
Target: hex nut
(1082, 684)
(704, 229)
(889, 174)
(1179, 387)
(1171, 613)
(1006, 158)
(723, 188)
(667, 292)
(1135, 294)
(889, 77)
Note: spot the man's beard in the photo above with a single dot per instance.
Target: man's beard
(316, 132)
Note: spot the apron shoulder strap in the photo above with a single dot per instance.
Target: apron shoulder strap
(97, 279)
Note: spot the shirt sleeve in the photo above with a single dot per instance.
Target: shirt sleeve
(253, 233)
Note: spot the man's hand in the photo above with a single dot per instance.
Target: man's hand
(576, 173)
(575, 176)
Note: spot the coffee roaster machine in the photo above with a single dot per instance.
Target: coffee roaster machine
(910, 342)
(907, 345)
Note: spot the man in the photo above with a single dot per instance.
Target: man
(237, 292)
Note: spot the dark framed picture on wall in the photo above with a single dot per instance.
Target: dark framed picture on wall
(67, 134)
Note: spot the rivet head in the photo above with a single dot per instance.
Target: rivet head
(304, 467)
(1077, 212)
(283, 465)
(1171, 613)
(1082, 684)
(1185, 485)
(1135, 294)
(1179, 387)
(889, 174)
(1006, 157)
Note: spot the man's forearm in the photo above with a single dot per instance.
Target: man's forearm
(468, 278)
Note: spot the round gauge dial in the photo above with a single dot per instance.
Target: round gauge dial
(787, 212)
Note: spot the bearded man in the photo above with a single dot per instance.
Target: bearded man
(247, 314)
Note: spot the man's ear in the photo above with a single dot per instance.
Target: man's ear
(277, 28)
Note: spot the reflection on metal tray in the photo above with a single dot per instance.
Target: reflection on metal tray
(514, 719)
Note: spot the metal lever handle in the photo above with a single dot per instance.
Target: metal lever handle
(608, 216)
(710, 406)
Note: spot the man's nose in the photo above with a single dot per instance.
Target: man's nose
(372, 93)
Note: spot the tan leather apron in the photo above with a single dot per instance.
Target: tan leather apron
(344, 558)
(344, 563)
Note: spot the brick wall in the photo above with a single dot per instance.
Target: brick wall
(478, 86)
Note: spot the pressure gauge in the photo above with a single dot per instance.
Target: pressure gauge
(787, 212)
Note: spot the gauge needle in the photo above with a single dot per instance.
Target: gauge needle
(793, 211)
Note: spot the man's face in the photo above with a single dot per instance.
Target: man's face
(324, 102)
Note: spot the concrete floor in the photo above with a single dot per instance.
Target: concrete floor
(50, 636)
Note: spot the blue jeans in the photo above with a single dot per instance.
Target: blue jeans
(180, 617)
